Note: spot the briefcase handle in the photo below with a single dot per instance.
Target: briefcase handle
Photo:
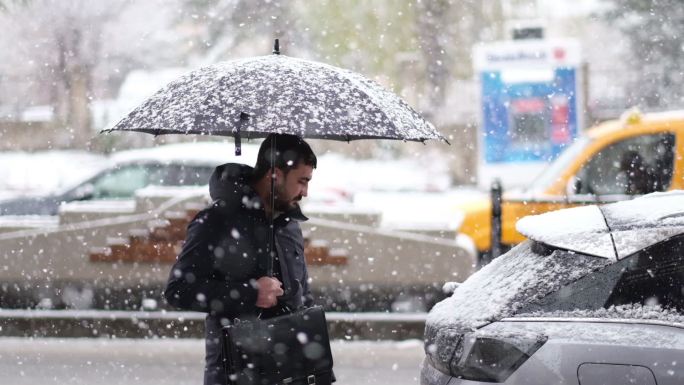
(283, 306)
(311, 380)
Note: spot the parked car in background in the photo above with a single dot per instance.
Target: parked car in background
(183, 164)
(613, 161)
(595, 296)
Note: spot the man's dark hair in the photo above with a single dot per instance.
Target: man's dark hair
(290, 152)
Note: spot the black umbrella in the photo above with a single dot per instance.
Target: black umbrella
(251, 98)
(255, 97)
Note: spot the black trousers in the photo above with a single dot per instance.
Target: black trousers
(214, 373)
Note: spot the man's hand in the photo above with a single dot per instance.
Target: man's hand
(269, 291)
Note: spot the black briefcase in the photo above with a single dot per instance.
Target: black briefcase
(288, 349)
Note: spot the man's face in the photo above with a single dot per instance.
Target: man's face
(291, 188)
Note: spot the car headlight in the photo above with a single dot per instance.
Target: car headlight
(483, 356)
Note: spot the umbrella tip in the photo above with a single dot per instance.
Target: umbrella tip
(276, 47)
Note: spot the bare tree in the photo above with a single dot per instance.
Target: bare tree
(61, 41)
(436, 42)
(654, 28)
(222, 26)
(446, 31)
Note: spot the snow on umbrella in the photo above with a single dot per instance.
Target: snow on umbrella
(254, 97)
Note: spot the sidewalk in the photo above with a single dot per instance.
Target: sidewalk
(76, 361)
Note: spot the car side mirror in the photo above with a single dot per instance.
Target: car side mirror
(84, 193)
(450, 287)
(574, 186)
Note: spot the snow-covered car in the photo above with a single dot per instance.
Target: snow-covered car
(595, 296)
(183, 164)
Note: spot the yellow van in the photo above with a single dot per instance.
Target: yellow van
(616, 160)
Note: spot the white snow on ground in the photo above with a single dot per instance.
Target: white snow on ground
(182, 315)
(28, 361)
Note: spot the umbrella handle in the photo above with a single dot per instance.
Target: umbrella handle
(244, 117)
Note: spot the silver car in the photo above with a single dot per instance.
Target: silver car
(179, 164)
(595, 296)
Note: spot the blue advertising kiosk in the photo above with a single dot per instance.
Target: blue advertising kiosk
(529, 106)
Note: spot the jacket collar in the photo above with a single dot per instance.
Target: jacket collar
(294, 213)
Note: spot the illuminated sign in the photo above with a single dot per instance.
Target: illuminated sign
(529, 101)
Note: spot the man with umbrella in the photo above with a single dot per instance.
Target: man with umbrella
(253, 98)
(222, 269)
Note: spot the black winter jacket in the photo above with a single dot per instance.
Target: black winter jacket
(225, 252)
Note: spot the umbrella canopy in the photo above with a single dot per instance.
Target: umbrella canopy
(254, 97)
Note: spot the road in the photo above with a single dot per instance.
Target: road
(76, 361)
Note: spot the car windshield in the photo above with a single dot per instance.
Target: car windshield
(525, 274)
(648, 284)
(552, 172)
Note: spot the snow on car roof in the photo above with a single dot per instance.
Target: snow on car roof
(191, 153)
(634, 225)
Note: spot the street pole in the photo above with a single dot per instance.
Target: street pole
(496, 193)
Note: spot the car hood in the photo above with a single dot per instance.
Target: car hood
(612, 231)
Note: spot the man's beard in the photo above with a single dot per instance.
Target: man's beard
(281, 204)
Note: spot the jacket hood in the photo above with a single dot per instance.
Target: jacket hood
(230, 183)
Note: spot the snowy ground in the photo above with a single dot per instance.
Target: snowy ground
(146, 362)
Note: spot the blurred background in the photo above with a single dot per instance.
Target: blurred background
(71, 68)
(88, 229)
